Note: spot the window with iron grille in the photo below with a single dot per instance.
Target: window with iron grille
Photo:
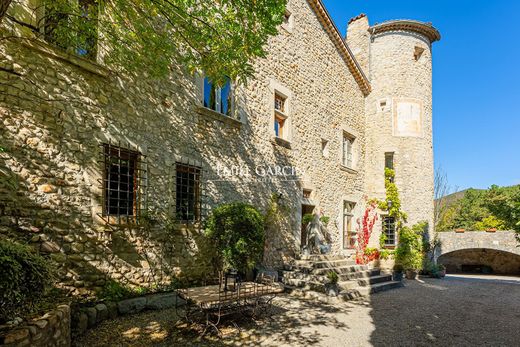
(188, 192)
(122, 182)
(389, 230)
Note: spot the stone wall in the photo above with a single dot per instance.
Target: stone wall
(397, 76)
(497, 250)
(52, 329)
(55, 119)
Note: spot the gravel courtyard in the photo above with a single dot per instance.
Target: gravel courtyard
(456, 311)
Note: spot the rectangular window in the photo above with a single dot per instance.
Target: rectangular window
(347, 151)
(279, 123)
(307, 193)
(389, 160)
(325, 148)
(121, 182)
(389, 230)
(349, 235)
(279, 103)
(188, 193)
(217, 98)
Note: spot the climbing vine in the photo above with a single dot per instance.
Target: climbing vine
(392, 204)
(365, 227)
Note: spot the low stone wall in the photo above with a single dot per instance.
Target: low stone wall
(52, 329)
(84, 318)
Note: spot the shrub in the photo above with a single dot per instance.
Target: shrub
(25, 278)
(307, 218)
(237, 232)
(409, 252)
(332, 277)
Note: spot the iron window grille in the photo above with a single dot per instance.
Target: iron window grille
(124, 184)
(389, 230)
(188, 193)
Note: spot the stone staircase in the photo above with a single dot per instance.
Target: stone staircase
(310, 275)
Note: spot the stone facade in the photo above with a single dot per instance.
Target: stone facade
(399, 110)
(53, 130)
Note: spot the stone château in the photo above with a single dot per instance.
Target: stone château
(113, 175)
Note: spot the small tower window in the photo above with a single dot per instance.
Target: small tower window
(325, 148)
(418, 52)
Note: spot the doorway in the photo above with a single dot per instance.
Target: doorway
(306, 209)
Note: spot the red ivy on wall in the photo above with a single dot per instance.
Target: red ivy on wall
(365, 228)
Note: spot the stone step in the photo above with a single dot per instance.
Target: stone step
(328, 264)
(321, 257)
(323, 277)
(372, 289)
(346, 295)
(374, 280)
(342, 269)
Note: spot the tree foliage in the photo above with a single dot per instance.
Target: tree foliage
(25, 278)
(497, 207)
(221, 38)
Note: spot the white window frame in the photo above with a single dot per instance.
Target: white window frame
(344, 224)
(200, 79)
(347, 150)
(277, 88)
(383, 217)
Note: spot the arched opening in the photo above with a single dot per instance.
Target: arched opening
(481, 260)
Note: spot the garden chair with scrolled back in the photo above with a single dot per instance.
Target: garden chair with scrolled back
(264, 293)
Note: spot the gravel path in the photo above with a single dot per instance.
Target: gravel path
(455, 311)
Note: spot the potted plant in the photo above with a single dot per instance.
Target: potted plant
(441, 270)
(409, 252)
(331, 287)
(460, 230)
(397, 273)
(491, 230)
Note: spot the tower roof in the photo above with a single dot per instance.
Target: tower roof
(426, 29)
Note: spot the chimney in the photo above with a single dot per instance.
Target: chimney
(358, 39)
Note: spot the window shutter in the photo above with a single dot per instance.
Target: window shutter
(199, 83)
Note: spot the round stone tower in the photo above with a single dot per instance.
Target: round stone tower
(399, 110)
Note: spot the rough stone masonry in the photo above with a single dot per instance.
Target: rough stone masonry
(344, 108)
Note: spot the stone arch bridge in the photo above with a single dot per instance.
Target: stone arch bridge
(479, 251)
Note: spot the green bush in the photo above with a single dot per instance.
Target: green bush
(25, 278)
(409, 252)
(332, 277)
(237, 232)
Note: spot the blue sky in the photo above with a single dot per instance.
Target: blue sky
(476, 82)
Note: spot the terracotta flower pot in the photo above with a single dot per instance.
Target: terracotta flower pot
(460, 230)
(491, 230)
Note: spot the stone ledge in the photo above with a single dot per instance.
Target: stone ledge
(88, 317)
(56, 53)
(281, 142)
(51, 329)
(214, 115)
(347, 169)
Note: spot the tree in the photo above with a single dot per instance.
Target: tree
(441, 189)
(504, 203)
(221, 38)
